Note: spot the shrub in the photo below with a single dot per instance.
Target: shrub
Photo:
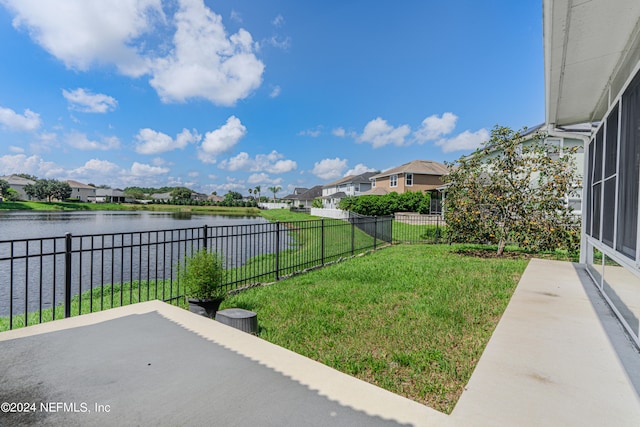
(202, 275)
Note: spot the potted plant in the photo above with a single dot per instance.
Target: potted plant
(202, 274)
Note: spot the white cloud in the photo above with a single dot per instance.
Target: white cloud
(86, 102)
(235, 16)
(17, 150)
(140, 169)
(96, 168)
(33, 165)
(313, 133)
(283, 43)
(379, 133)
(329, 168)
(359, 169)
(81, 142)
(340, 132)
(232, 184)
(278, 21)
(271, 163)
(81, 33)
(263, 179)
(27, 122)
(221, 140)
(275, 92)
(150, 141)
(434, 127)
(204, 62)
(465, 141)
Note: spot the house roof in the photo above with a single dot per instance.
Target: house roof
(310, 194)
(17, 180)
(355, 179)
(338, 195)
(589, 49)
(161, 196)
(76, 184)
(421, 167)
(338, 182)
(376, 191)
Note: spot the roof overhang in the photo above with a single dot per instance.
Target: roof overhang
(590, 50)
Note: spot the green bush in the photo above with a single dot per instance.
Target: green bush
(202, 275)
(411, 201)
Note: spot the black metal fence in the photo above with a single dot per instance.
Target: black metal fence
(417, 228)
(49, 278)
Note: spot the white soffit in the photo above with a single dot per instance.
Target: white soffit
(586, 43)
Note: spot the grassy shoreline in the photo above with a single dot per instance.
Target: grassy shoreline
(80, 206)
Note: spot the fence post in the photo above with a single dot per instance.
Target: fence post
(67, 275)
(322, 241)
(204, 237)
(353, 237)
(375, 231)
(278, 250)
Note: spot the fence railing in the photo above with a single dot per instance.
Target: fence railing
(417, 228)
(49, 278)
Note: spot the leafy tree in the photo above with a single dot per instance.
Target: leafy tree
(181, 193)
(11, 195)
(4, 186)
(510, 191)
(46, 189)
(39, 190)
(27, 176)
(135, 193)
(60, 190)
(275, 190)
(317, 203)
(233, 195)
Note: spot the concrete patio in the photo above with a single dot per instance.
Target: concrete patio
(558, 357)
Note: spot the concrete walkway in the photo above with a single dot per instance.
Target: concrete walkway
(557, 358)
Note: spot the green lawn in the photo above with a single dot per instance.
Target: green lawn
(411, 319)
(103, 298)
(413, 233)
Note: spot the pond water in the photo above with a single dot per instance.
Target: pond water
(26, 225)
(113, 247)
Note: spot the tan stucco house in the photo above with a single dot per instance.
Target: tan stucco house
(417, 175)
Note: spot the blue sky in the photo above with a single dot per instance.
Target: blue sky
(228, 95)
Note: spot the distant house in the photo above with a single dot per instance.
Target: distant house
(198, 196)
(110, 195)
(214, 198)
(82, 192)
(18, 183)
(418, 175)
(296, 192)
(303, 197)
(352, 185)
(164, 197)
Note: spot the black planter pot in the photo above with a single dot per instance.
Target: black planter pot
(206, 308)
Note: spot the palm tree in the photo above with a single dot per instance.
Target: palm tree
(274, 190)
(250, 191)
(257, 191)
